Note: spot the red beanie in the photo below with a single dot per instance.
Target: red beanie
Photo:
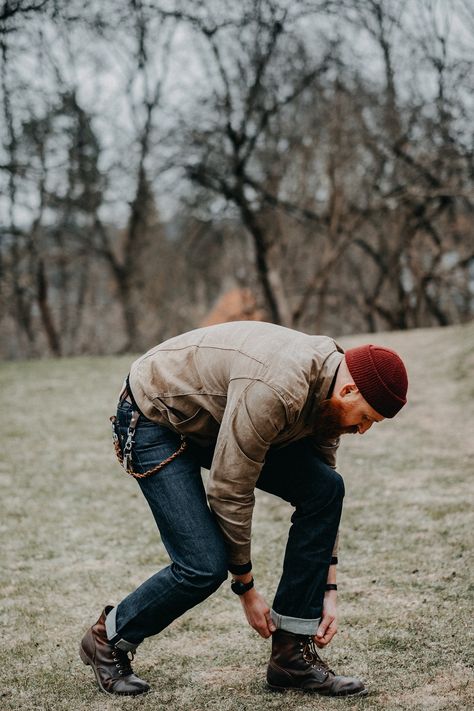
(381, 377)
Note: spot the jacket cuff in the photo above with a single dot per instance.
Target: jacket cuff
(240, 569)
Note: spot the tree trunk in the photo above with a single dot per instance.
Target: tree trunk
(269, 276)
(45, 311)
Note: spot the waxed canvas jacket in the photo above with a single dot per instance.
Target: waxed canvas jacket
(246, 386)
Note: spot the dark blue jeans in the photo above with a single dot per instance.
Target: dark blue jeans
(195, 543)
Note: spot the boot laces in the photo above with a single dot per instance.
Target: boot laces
(311, 656)
(122, 661)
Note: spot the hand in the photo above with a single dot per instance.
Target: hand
(257, 613)
(328, 625)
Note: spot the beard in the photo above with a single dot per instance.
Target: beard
(328, 421)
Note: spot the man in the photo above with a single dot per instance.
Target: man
(260, 406)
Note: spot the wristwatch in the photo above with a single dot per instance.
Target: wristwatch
(240, 588)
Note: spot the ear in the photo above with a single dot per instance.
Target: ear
(347, 389)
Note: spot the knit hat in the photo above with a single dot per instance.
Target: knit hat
(381, 377)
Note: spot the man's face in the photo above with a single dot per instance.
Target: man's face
(346, 412)
(356, 415)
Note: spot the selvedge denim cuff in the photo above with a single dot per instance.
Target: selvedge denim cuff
(296, 625)
(110, 628)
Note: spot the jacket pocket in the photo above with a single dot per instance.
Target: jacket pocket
(179, 411)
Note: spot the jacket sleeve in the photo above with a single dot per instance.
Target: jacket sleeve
(254, 415)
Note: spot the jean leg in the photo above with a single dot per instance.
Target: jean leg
(297, 475)
(188, 530)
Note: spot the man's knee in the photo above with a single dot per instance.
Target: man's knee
(206, 577)
(216, 573)
(338, 485)
(324, 488)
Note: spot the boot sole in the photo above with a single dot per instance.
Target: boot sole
(362, 692)
(88, 662)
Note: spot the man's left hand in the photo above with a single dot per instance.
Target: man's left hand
(328, 625)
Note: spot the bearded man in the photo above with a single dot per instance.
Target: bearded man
(260, 406)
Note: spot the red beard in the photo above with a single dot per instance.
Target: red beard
(328, 421)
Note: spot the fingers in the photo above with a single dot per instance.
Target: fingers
(260, 625)
(326, 631)
(270, 623)
(264, 625)
(323, 625)
(258, 614)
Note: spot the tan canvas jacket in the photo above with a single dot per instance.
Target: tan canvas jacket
(245, 385)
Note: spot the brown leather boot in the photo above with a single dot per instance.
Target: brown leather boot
(295, 664)
(111, 666)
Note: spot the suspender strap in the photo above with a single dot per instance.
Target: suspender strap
(130, 395)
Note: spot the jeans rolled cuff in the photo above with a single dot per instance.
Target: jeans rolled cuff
(112, 636)
(296, 625)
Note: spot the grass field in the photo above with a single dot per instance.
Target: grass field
(76, 534)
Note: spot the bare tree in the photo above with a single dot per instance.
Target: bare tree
(259, 69)
(409, 242)
(317, 153)
(147, 67)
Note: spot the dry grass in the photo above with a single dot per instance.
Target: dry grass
(76, 534)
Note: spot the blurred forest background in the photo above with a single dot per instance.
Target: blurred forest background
(165, 164)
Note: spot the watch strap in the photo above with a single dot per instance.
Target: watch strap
(240, 588)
